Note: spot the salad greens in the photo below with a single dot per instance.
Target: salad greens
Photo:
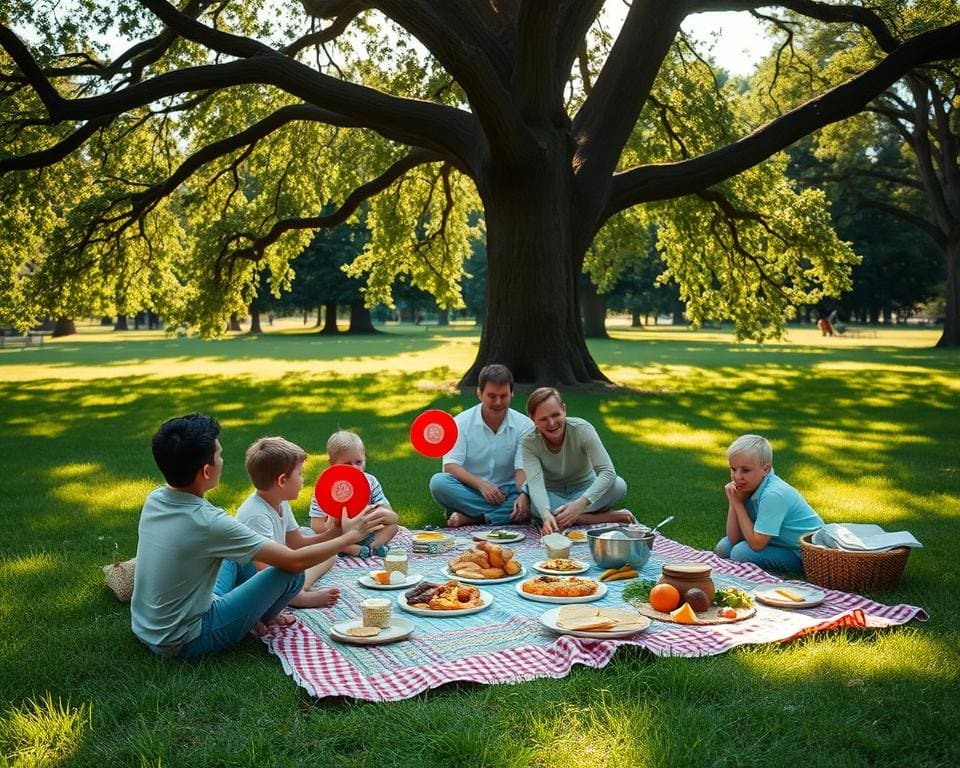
(638, 591)
(731, 597)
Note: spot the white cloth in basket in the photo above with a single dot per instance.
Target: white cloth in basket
(859, 537)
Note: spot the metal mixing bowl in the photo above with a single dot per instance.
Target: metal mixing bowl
(612, 553)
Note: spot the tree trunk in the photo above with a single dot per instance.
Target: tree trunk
(254, 319)
(105, 321)
(121, 323)
(330, 319)
(532, 319)
(593, 307)
(64, 327)
(234, 323)
(635, 319)
(951, 319)
(360, 319)
(678, 318)
(443, 317)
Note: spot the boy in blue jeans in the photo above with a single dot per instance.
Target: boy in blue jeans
(183, 539)
(765, 516)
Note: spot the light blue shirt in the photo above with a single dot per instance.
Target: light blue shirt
(778, 510)
(491, 456)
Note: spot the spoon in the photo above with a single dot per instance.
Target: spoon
(662, 522)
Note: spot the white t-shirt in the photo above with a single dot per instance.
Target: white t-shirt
(257, 514)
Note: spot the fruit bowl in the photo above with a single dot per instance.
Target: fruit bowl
(616, 545)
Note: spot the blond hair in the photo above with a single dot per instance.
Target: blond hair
(341, 441)
(270, 457)
(754, 446)
(540, 396)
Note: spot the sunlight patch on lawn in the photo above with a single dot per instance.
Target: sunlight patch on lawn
(28, 565)
(670, 434)
(87, 486)
(607, 735)
(43, 732)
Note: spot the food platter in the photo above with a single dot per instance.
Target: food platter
(601, 591)
(710, 616)
(809, 597)
(506, 537)
(485, 596)
(399, 629)
(549, 620)
(448, 574)
(370, 583)
(577, 537)
(583, 568)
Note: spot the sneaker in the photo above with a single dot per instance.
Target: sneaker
(380, 551)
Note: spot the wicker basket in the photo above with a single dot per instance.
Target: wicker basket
(851, 571)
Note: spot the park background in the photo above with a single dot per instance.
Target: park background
(864, 423)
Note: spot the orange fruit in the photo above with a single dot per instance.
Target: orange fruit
(684, 614)
(664, 597)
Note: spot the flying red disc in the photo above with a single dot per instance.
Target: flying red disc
(340, 487)
(433, 433)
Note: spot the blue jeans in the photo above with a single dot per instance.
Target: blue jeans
(568, 493)
(770, 558)
(242, 597)
(454, 496)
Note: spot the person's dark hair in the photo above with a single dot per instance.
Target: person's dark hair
(183, 445)
(494, 374)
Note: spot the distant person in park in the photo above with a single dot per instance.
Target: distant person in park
(836, 323)
(482, 479)
(825, 328)
(765, 516)
(345, 447)
(569, 473)
(177, 608)
(275, 466)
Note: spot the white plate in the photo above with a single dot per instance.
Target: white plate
(515, 536)
(484, 595)
(448, 574)
(549, 620)
(584, 540)
(769, 596)
(370, 583)
(584, 567)
(399, 629)
(601, 591)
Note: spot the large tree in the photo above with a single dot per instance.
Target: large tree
(555, 124)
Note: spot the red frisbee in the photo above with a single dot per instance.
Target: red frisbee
(340, 487)
(433, 433)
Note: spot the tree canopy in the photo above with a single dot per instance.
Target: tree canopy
(170, 154)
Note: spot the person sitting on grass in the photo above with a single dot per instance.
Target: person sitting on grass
(570, 474)
(482, 479)
(345, 447)
(179, 608)
(275, 466)
(765, 516)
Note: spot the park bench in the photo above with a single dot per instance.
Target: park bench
(34, 339)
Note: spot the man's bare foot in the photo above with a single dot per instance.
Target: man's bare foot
(282, 619)
(318, 598)
(457, 519)
(259, 629)
(622, 516)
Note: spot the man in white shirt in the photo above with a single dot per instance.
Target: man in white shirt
(482, 479)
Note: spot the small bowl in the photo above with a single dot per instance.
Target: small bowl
(634, 550)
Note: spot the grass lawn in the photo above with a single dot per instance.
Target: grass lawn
(868, 429)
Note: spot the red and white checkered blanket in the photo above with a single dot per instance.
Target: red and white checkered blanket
(510, 646)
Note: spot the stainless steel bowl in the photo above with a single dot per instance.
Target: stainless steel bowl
(612, 553)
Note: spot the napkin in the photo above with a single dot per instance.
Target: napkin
(858, 537)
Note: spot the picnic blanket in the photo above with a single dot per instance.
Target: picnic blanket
(506, 643)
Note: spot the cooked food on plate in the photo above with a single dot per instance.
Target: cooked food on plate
(560, 586)
(485, 561)
(561, 564)
(452, 596)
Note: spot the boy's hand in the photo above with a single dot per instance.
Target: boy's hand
(355, 528)
(381, 516)
(733, 493)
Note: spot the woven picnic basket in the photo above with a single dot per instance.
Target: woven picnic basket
(851, 571)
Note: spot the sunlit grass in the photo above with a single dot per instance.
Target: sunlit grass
(43, 732)
(865, 428)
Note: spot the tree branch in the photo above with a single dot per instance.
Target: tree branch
(669, 180)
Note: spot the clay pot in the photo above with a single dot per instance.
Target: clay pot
(685, 576)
